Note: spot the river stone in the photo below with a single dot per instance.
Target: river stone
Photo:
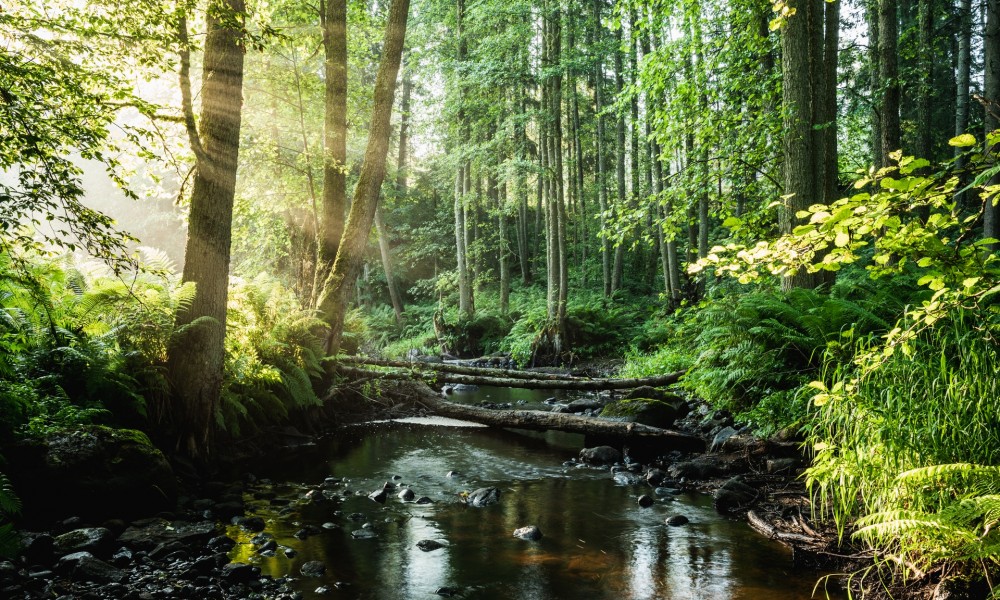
(240, 573)
(464, 388)
(448, 591)
(645, 411)
(484, 497)
(677, 520)
(424, 500)
(645, 501)
(83, 566)
(429, 545)
(734, 496)
(627, 478)
(37, 548)
(94, 472)
(655, 477)
(406, 495)
(583, 404)
(251, 524)
(96, 540)
(378, 496)
(529, 532)
(702, 467)
(363, 534)
(721, 438)
(600, 455)
(149, 533)
(313, 568)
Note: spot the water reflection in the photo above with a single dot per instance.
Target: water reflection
(597, 542)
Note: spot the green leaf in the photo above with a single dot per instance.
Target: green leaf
(962, 141)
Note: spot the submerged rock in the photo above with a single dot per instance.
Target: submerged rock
(429, 545)
(313, 568)
(484, 497)
(645, 501)
(677, 520)
(529, 532)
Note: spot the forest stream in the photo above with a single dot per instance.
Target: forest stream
(597, 541)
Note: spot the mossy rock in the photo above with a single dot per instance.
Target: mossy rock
(647, 411)
(93, 472)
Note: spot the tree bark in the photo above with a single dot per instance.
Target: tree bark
(537, 420)
(526, 384)
(991, 95)
(602, 182)
(350, 255)
(963, 75)
(888, 52)
(333, 16)
(621, 200)
(196, 354)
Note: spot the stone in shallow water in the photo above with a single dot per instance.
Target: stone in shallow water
(424, 500)
(677, 520)
(645, 501)
(529, 532)
(407, 495)
(484, 497)
(429, 545)
(363, 534)
(378, 496)
(313, 568)
(447, 591)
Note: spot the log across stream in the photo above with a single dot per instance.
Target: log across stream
(410, 387)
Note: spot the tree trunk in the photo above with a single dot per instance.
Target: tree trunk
(460, 369)
(504, 254)
(875, 84)
(807, 55)
(602, 183)
(538, 420)
(963, 74)
(621, 200)
(461, 258)
(925, 79)
(888, 52)
(525, 384)
(350, 255)
(196, 355)
(991, 95)
(333, 15)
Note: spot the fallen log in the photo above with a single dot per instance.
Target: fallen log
(770, 531)
(457, 369)
(526, 384)
(537, 420)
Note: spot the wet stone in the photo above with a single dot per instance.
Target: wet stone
(645, 501)
(429, 545)
(363, 534)
(677, 520)
(529, 532)
(406, 495)
(484, 497)
(313, 568)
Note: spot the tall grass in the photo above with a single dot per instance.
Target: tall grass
(910, 449)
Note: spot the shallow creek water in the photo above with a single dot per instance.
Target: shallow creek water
(598, 543)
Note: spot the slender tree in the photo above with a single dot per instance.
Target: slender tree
(350, 255)
(196, 355)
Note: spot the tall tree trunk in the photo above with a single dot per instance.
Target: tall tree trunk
(925, 79)
(464, 286)
(602, 182)
(991, 95)
(333, 15)
(350, 255)
(621, 200)
(888, 52)
(963, 73)
(875, 85)
(196, 355)
(504, 251)
(807, 56)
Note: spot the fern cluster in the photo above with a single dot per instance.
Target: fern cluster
(272, 355)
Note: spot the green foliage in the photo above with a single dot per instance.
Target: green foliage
(272, 356)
